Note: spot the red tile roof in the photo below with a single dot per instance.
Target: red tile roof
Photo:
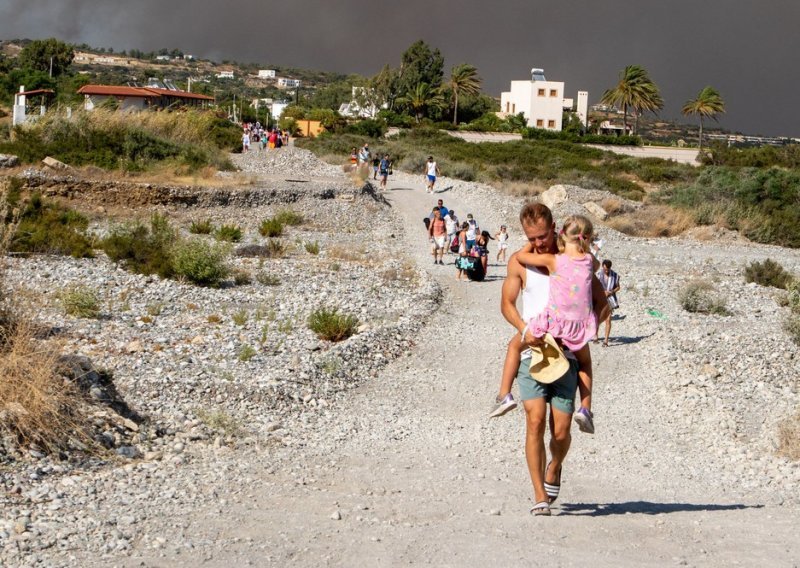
(110, 90)
(143, 92)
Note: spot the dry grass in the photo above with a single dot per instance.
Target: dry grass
(789, 437)
(346, 253)
(652, 221)
(37, 405)
(520, 189)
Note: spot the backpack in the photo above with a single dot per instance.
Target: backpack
(427, 222)
(454, 244)
(472, 266)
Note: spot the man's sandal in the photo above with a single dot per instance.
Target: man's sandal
(541, 509)
(552, 489)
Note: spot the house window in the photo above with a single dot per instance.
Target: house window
(514, 108)
(541, 92)
(539, 123)
(551, 124)
(507, 106)
(553, 93)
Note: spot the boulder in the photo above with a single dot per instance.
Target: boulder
(595, 210)
(54, 164)
(8, 161)
(556, 195)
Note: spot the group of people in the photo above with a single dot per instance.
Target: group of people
(362, 159)
(254, 133)
(448, 235)
(565, 293)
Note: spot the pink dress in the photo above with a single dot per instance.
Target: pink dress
(568, 315)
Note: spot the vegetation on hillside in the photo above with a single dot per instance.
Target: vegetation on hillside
(127, 141)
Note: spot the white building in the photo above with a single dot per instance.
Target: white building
(225, 75)
(266, 73)
(354, 110)
(285, 83)
(541, 101)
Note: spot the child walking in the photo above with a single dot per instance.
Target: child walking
(502, 243)
(568, 315)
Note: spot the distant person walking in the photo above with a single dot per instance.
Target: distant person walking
(353, 159)
(431, 171)
(385, 168)
(245, 142)
(472, 231)
(610, 281)
(462, 249)
(437, 231)
(451, 222)
(502, 243)
(376, 163)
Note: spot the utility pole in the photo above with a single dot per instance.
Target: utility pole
(51, 66)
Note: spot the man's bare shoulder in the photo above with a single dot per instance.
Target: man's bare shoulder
(514, 268)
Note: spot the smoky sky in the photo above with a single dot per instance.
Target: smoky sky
(746, 50)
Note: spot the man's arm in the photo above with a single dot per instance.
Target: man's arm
(512, 286)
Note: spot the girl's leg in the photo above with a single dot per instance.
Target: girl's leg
(511, 365)
(584, 357)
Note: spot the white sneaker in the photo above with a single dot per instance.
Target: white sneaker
(503, 405)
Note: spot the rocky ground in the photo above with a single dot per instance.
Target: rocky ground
(377, 450)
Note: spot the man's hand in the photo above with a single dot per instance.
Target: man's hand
(530, 340)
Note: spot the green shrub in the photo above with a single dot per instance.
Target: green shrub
(267, 279)
(460, 170)
(46, 227)
(288, 217)
(276, 248)
(246, 352)
(794, 295)
(372, 128)
(242, 277)
(271, 228)
(80, 301)
(143, 249)
(240, 318)
(792, 327)
(312, 248)
(330, 325)
(200, 262)
(767, 273)
(228, 234)
(204, 227)
(699, 296)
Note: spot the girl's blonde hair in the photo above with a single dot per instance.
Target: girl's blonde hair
(577, 229)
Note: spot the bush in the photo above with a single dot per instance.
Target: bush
(289, 217)
(330, 325)
(792, 327)
(246, 352)
(699, 296)
(767, 273)
(368, 127)
(242, 277)
(312, 248)
(794, 296)
(228, 234)
(80, 302)
(271, 228)
(47, 227)
(38, 405)
(200, 262)
(143, 249)
(204, 227)
(267, 279)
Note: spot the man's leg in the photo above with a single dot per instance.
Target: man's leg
(608, 327)
(560, 440)
(535, 418)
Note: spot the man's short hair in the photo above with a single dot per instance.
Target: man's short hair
(436, 209)
(607, 263)
(533, 212)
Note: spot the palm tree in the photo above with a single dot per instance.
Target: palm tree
(422, 98)
(464, 79)
(635, 90)
(708, 103)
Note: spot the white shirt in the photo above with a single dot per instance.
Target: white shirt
(450, 224)
(471, 230)
(432, 168)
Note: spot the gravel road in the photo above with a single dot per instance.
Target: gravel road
(407, 469)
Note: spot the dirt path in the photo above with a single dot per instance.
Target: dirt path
(410, 471)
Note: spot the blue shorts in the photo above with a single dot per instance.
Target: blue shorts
(560, 393)
(470, 244)
(431, 178)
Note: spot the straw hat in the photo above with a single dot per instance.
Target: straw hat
(548, 363)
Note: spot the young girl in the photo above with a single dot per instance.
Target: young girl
(568, 315)
(502, 243)
(462, 247)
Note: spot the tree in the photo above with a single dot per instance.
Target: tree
(635, 90)
(40, 54)
(332, 95)
(421, 100)
(420, 64)
(464, 80)
(707, 103)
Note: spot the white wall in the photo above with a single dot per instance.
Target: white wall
(540, 101)
(126, 103)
